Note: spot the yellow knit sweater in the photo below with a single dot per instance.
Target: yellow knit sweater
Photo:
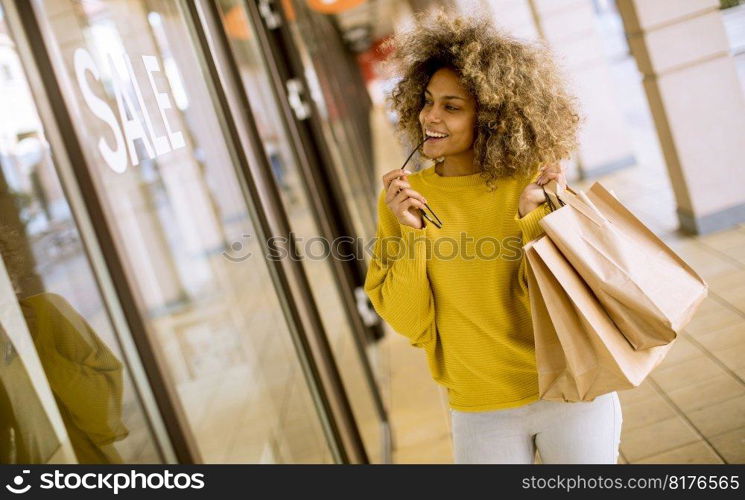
(460, 292)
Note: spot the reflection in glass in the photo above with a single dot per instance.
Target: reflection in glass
(57, 291)
(84, 375)
(324, 287)
(26, 434)
(170, 193)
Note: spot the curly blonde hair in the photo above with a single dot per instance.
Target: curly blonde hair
(524, 116)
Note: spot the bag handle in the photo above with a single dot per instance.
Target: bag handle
(557, 197)
(553, 201)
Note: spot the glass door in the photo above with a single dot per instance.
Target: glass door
(293, 169)
(338, 122)
(334, 91)
(165, 180)
(55, 311)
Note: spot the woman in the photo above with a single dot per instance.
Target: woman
(454, 282)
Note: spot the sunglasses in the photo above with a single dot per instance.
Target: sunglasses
(438, 222)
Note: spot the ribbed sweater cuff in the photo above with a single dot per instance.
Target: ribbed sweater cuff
(414, 241)
(529, 223)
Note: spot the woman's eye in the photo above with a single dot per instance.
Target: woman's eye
(452, 108)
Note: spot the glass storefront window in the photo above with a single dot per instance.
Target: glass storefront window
(321, 65)
(169, 190)
(316, 257)
(60, 301)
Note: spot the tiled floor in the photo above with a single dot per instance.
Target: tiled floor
(692, 407)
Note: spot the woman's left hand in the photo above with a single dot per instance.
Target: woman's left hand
(532, 196)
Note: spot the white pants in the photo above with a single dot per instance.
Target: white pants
(564, 433)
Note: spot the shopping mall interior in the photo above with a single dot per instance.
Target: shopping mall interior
(188, 196)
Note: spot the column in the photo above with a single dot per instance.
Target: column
(697, 104)
(570, 29)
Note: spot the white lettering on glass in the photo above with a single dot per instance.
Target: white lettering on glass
(115, 158)
(160, 142)
(131, 128)
(164, 102)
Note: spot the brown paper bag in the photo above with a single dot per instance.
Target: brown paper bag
(580, 353)
(646, 288)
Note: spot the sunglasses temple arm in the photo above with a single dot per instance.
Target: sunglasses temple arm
(433, 213)
(424, 214)
(437, 223)
(414, 151)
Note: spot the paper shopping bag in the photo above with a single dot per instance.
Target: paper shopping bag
(648, 291)
(580, 352)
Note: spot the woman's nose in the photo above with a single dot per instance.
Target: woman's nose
(432, 116)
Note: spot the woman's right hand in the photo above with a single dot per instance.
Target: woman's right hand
(403, 201)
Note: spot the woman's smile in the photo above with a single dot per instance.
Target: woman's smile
(435, 134)
(435, 137)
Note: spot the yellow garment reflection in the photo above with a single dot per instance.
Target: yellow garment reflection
(26, 435)
(84, 375)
